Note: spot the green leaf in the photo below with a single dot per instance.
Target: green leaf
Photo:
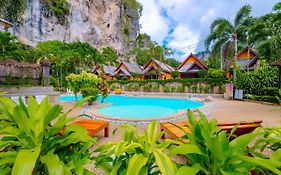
(185, 149)
(25, 161)
(193, 170)
(81, 102)
(135, 164)
(54, 165)
(165, 164)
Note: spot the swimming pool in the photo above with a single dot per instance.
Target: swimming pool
(127, 107)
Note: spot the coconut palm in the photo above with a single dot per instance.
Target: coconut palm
(225, 35)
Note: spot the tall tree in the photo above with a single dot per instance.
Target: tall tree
(225, 35)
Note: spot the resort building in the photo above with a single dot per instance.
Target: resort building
(107, 70)
(190, 66)
(130, 70)
(155, 69)
(247, 59)
(4, 25)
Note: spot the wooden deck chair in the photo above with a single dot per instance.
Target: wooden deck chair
(241, 128)
(92, 126)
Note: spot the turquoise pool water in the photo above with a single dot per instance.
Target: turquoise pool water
(141, 107)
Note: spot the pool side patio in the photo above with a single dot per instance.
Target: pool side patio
(225, 111)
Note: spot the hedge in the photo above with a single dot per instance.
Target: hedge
(271, 99)
(213, 81)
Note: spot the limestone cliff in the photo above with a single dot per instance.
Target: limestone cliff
(99, 22)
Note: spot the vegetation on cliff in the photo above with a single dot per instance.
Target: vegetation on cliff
(12, 10)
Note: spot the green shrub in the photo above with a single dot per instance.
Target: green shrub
(117, 76)
(180, 89)
(31, 142)
(215, 73)
(210, 151)
(173, 89)
(194, 88)
(76, 82)
(202, 73)
(147, 87)
(201, 88)
(136, 153)
(155, 88)
(113, 87)
(207, 89)
(255, 82)
(92, 93)
(270, 99)
(270, 91)
(54, 82)
(175, 74)
(166, 88)
(124, 78)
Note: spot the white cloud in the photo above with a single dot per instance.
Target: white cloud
(190, 19)
(183, 39)
(152, 22)
(205, 18)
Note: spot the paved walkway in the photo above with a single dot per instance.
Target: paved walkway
(225, 111)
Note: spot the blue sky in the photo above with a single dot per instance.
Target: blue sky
(184, 24)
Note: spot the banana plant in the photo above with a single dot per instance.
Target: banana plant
(31, 142)
(136, 153)
(211, 152)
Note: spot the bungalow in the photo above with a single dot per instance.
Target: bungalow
(247, 59)
(155, 69)
(108, 70)
(4, 25)
(130, 70)
(190, 66)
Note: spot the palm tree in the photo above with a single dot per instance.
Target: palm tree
(225, 35)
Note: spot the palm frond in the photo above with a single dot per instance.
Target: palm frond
(242, 14)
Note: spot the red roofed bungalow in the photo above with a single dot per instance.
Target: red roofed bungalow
(190, 66)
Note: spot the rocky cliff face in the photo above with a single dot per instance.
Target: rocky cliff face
(98, 22)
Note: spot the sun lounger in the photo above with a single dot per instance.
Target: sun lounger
(93, 126)
(241, 128)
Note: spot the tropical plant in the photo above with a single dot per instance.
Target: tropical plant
(210, 151)
(175, 74)
(32, 141)
(109, 55)
(256, 82)
(194, 88)
(136, 153)
(225, 35)
(215, 73)
(104, 90)
(84, 80)
(117, 76)
(12, 10)
(90, 92)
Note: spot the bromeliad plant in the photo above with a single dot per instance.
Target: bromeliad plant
(211, 152)
(136, 153)
(31, 142)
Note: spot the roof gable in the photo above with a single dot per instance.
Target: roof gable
(187, 61)
(158, 64)
(246, 53)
